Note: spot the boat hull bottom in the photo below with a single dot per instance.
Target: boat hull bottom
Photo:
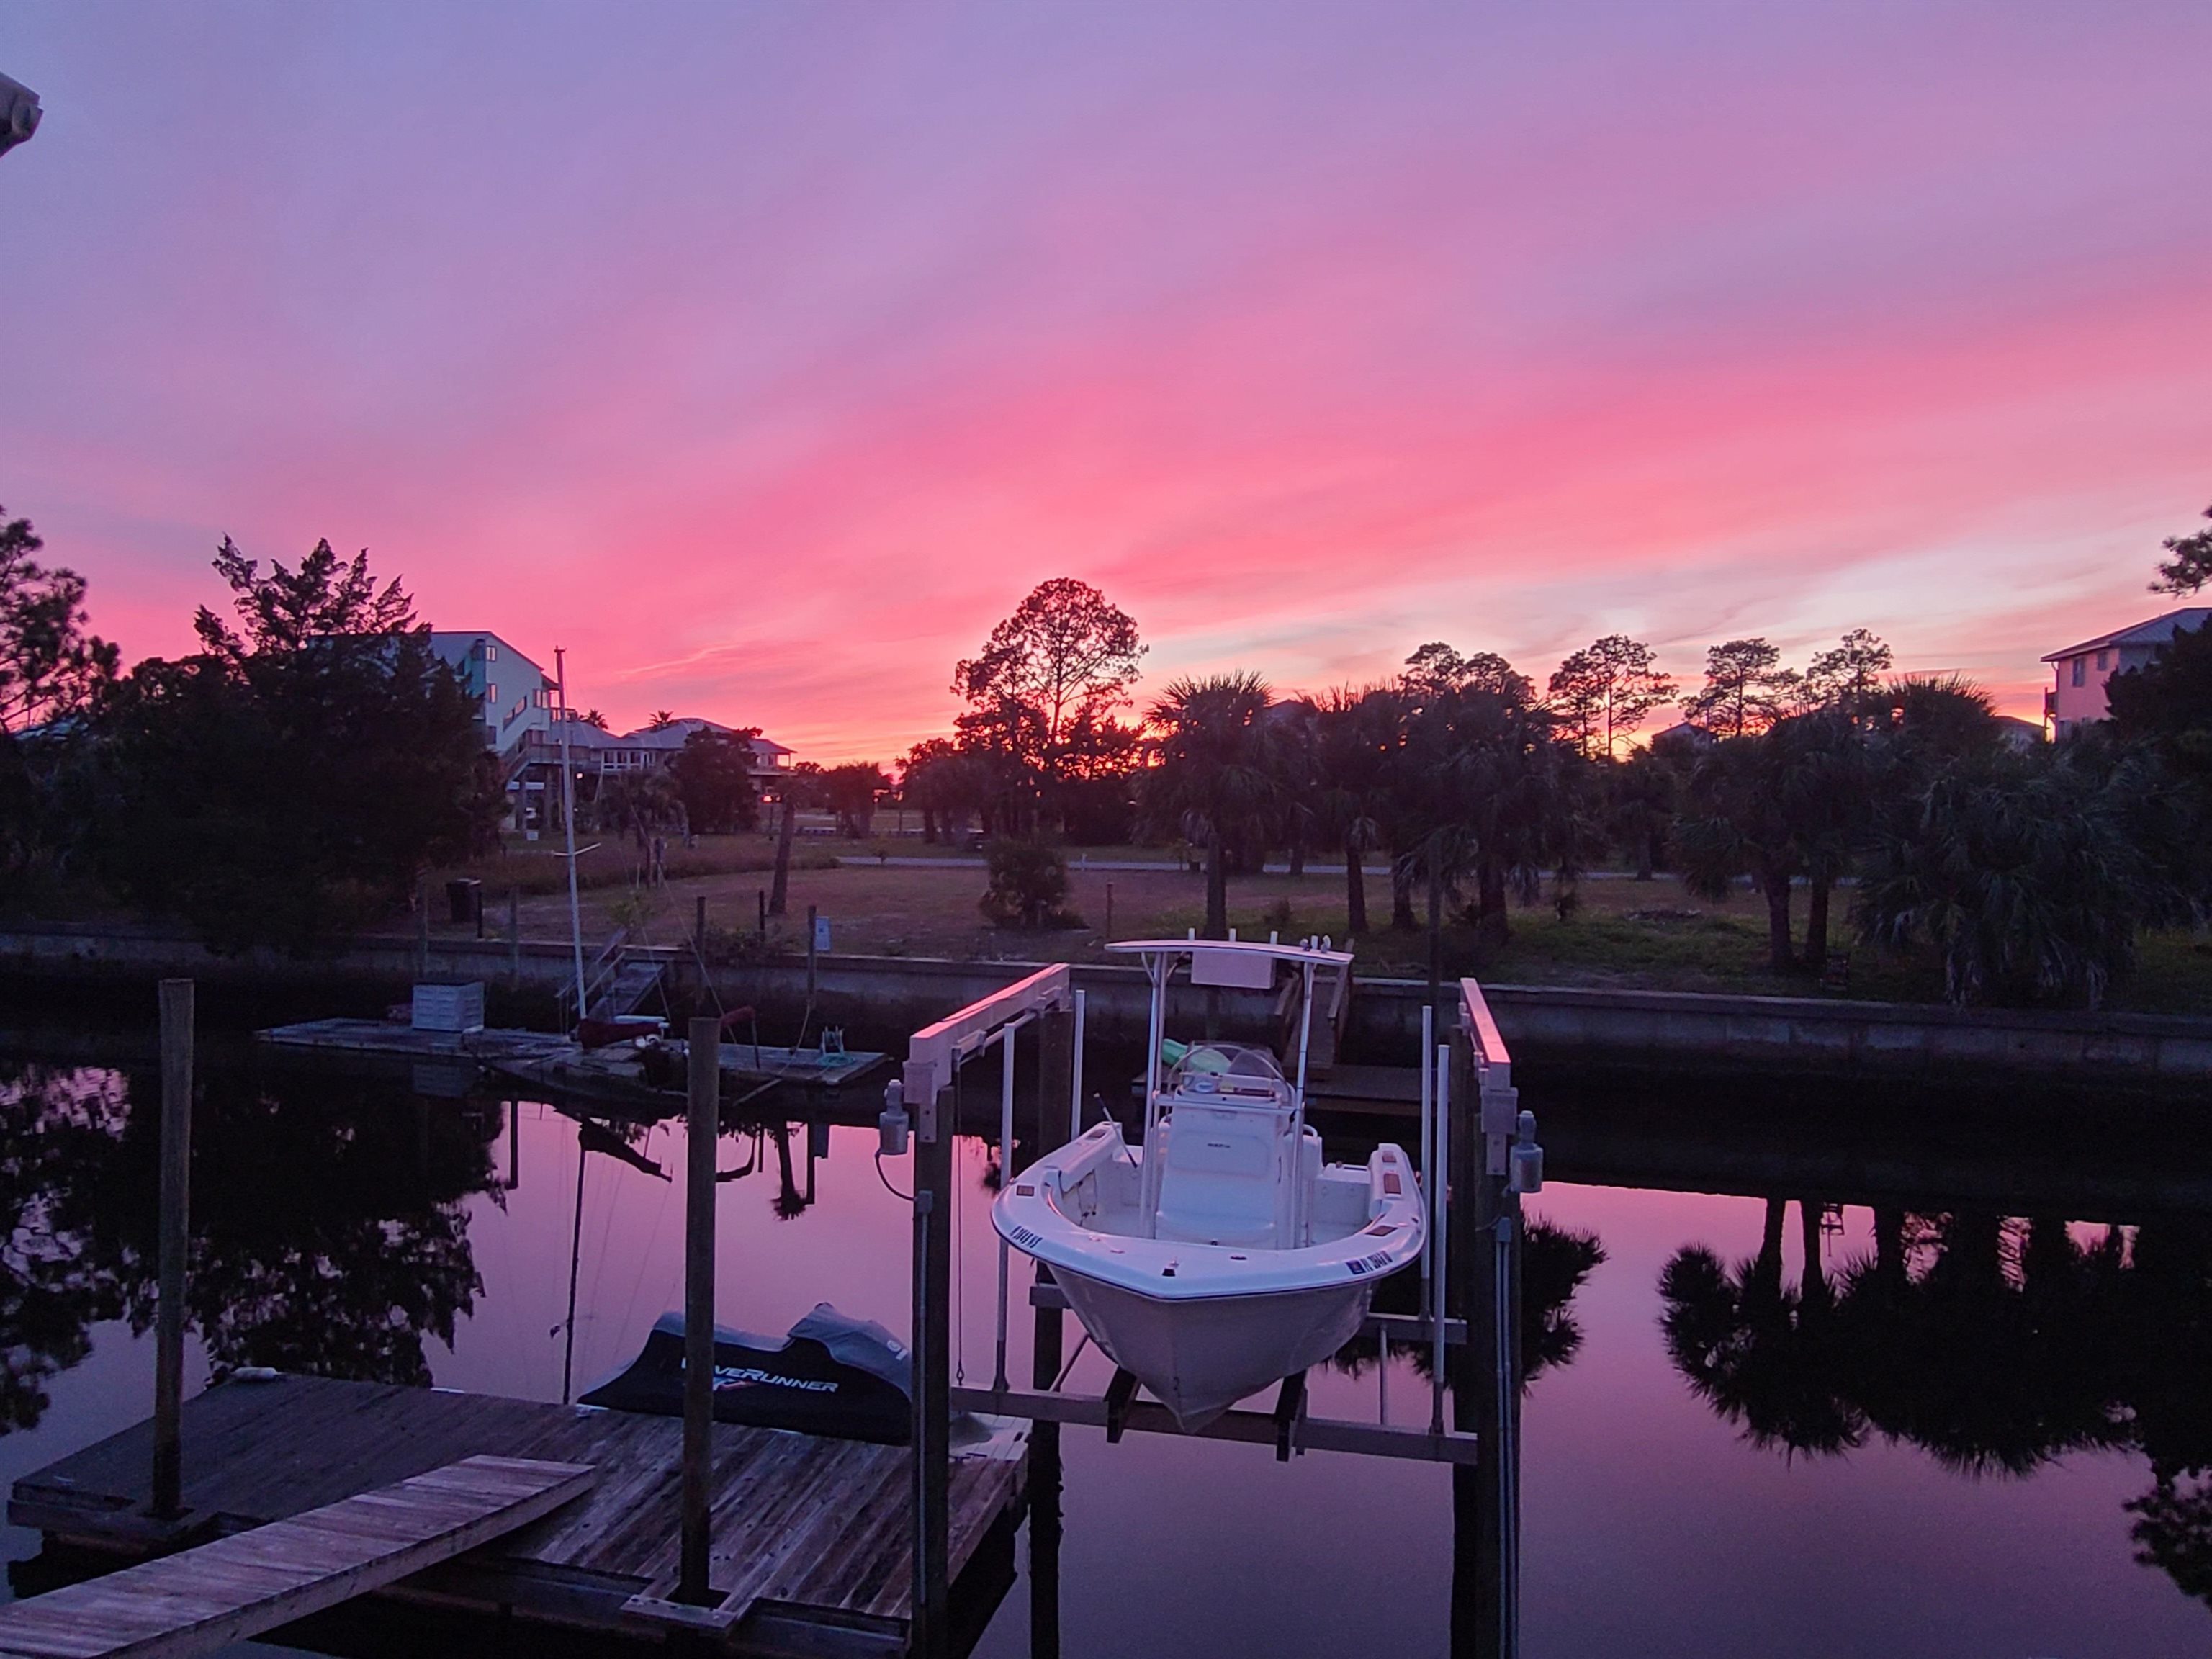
(1201, 1355)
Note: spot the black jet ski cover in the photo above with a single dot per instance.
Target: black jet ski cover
(847, 1379)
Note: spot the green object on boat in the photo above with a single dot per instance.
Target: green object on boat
(1171, 1051)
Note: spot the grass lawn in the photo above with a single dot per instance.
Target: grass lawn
(1628, 934)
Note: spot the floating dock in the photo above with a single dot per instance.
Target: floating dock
(812, 1537)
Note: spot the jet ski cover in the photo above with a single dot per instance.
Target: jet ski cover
(835, 1375)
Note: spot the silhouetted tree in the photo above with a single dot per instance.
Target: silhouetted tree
(1042, 694)
(292, 780)
(713, 776)
(1849, 677)
(2191, 567)
(1357, 736)
(1602, 693)
(1745, 689)
(53, 674)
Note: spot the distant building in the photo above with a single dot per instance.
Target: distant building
(604, 754)
(600, 755)
(514, 696)
(2080, 671)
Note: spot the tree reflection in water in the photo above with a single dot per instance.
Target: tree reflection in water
(329, 1223)
(1554, 1263)
(1994, 1343)
(55, 1125)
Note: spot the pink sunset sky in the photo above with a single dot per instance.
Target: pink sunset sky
(764, 356)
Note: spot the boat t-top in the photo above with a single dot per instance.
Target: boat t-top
(1223, 1255)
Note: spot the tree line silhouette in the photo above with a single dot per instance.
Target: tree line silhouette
(2029, 868)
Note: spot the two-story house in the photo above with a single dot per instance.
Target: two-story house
(2080, 671)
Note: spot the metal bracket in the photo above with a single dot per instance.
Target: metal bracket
(1290, 1406)
(1119, 1393)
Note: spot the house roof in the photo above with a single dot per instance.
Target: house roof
(2157, 631)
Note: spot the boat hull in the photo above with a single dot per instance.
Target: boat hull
(1199, 1356)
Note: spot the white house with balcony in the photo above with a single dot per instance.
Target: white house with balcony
(514, 696)
(2080, 671)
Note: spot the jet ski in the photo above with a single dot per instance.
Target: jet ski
(831, 1375)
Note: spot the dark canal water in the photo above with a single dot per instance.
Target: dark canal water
(1814, 1378)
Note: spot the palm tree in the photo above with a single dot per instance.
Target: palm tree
(1214, 781)
(2030, 872)
(1740, 822)
(1485, 785)
(1357, 733)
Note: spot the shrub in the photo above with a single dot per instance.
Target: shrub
(1029, 885)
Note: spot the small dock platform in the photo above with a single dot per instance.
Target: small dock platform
(812, 1537)
(198, 1603)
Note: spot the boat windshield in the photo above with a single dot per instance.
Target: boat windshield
(1227, 1069)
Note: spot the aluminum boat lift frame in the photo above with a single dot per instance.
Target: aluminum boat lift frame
(1474, 1131)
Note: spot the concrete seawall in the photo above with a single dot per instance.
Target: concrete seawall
(886, 994)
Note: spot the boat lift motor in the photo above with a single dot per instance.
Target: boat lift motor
(1528, 1157)
(892, 1124)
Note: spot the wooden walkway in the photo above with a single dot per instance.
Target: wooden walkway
(813, 1534)
(204, 1599)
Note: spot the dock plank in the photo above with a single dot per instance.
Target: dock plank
(799, 1523)
(202, 1600)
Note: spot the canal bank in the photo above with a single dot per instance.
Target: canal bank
(63, 961)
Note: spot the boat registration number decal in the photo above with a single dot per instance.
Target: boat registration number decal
(1023, 1239)
(1362, 1265)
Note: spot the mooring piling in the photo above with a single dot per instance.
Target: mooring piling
(176, 1004)
(702, 1129)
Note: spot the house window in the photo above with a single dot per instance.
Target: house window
(2103, 660)
(491, 693)
(2081, 667)
(491, 654)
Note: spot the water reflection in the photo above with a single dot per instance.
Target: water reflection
(55, 1125)
(1994, 1344)
(330, 1231)
(1554, 1263)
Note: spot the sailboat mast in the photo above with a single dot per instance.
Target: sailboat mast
(568, 824)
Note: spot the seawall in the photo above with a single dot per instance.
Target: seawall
(881, 996)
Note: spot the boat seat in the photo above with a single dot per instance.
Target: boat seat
(1218, 1175)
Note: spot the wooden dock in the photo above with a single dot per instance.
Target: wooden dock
(812, 1536)
(563, 1068)
(203, 1599)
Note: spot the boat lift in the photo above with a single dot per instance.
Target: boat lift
(1473, 1132)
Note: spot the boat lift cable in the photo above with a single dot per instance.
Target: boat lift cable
(903, 1198)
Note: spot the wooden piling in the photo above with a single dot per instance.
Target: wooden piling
(175, 1241)
(422, 928)
(513, 939)
(699, 929)
(701, 1129)
(811, 910)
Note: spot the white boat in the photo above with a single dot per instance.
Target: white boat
(1223, 1255)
